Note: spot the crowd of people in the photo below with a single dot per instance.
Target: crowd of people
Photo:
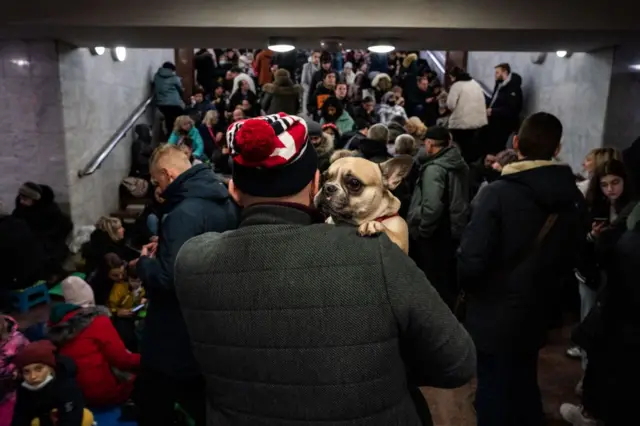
(235, 300)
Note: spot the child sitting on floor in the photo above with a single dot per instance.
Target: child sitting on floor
(48, 394)
(11, 342)
(125, 296)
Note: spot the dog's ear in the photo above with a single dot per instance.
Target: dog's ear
(341, 153)
(395, 169)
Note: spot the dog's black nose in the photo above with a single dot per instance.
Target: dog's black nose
(330, 188)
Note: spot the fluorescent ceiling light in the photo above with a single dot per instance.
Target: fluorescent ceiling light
(119, 53)
(280, 48)
(98, 50)
(635, 67)
(562, 53)
(381, 48)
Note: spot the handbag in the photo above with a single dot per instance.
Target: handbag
(460, 307)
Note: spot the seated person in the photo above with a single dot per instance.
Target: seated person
(23, 257)
(212, 131)
(186, 146)
(35, 204)
(48, 394)
(185, 126)
(84, 333)
(11, 342)
(127, 293)
(199, 106)
(333, 112)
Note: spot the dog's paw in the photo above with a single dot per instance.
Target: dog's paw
(370, 228)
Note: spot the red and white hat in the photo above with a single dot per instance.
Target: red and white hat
(272, 156)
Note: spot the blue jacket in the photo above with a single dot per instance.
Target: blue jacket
(198, 144)
(167, 88)
(196, 202)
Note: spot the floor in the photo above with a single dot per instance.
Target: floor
(558, 376)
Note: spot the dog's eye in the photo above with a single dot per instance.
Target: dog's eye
(354, 184)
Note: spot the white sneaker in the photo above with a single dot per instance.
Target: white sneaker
(574, 352)
(573, 414)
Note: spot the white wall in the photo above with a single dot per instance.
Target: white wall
(98, 94)
(32, 140)
(575, 89)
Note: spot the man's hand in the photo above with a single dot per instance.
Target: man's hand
(149, 249)
(488, 112)
(153, 239)
(225, 150)
(430, 100)
(134, 262)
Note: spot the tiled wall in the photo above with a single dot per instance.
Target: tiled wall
(575, 89)
(98, 94)
(32, 138)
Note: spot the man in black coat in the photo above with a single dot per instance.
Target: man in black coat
(504, 108)
(298, 322)
(196, 201)
(514, 289)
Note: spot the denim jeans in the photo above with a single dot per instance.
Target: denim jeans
(587, 301)
(152, 223)
(508, 392)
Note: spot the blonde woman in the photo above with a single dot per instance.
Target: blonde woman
(107, 238)
(184, 126)
(594, 159)
(212, 132)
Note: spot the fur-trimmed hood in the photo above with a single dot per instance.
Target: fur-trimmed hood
(67, 321)
(382, 82)
(326, 144)
(409, 59)
(280, 87)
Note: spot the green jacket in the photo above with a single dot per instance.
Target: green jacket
(441, 195)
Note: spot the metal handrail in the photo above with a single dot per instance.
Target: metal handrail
(440, 62)
(103, 153)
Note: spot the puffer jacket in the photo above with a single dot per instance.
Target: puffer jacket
(310, 325)
(87, 336)
(167, 88)
(466, 102)
(9, 347)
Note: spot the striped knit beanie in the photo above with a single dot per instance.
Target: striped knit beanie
(272, 156)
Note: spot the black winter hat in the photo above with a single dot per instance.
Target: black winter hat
(438, 133)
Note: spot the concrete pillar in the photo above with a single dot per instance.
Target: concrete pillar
(184, 69)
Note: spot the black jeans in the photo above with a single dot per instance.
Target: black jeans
(466, 139)
(508, 392)
(156, 395)
(170, 112)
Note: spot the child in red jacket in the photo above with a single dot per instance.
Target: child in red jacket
(87, 336)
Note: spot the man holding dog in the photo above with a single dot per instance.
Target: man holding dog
(301, 322)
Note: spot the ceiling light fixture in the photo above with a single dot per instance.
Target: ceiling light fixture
(280, 45)
(97, 51)
(635, 67)
(381, 48)
(562, 54)
(119, 53)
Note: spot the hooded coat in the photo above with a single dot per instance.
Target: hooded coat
(282, 95)
(87, 336)
(510, 302)
(341, 118)
(167, 88)
(195, 203)
(438, 214)
(141, 150)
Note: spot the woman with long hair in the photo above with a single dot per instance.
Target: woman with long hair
(611, 199)
(185, 126)
(594, 159)
(212, 131)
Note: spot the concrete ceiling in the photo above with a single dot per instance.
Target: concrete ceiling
(516, 25)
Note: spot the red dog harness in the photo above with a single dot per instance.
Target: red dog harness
(383, 218)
